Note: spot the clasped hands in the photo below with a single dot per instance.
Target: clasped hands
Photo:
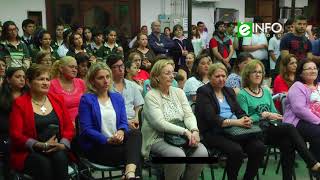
(193, 137)
(117, 138)
(52, 145)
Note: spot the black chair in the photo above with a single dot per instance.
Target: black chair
(89, 167)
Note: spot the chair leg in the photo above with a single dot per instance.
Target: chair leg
(266, 161)
(258, 178)
(202, 175)
(212, 172)
(278, 166)
(224, 173)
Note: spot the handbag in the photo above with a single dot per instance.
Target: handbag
(176, 139)
(241, 133)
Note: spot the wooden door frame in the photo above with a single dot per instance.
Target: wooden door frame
(52, 5)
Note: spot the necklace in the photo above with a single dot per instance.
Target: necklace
(43, 109)
(254, 91)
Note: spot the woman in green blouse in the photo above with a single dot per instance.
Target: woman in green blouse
(258, 104)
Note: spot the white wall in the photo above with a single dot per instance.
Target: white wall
(16, 10)
(150, 9)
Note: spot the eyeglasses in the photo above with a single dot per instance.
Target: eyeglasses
(121, 66)
(257, 72)
(310, 69)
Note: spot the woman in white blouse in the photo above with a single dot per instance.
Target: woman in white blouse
(163, 105)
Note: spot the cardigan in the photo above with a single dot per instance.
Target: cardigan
(207, 109)
(154, 123)
(23, 132)
(90, 119)
(298, 105)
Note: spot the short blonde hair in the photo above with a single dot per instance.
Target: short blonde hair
(250, 68)
(55, 70)
(92, 72)
(156, 71)
(216, 66)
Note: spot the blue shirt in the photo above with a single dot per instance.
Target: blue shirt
(316, 47)
(225, 110)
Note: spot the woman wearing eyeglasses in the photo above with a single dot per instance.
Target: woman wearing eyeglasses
(258, 104)
(65, 83)
(303, 105)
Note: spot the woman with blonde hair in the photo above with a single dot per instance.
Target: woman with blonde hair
(65, 83)
(105, 137)
(165, 107)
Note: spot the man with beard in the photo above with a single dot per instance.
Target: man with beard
(296, 42)
(129, 90)
(221, 45)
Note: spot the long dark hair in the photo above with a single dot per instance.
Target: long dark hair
(284, 68)
(194, 70)
(6, 97)
(5, 27)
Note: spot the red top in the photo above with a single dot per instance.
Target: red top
(22, 126)
(142, 75)
(279, 86)
(214, 43)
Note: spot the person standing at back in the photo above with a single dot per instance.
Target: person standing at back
(296, 42)
(159, 43)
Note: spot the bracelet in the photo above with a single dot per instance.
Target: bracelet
(45, 146)
(193, 130)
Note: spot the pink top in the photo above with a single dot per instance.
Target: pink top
(71, 99)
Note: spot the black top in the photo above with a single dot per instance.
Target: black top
(4, 123)
(207, 109)
(46, 126)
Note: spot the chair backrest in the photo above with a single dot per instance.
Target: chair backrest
(283, 99)
(140, 117)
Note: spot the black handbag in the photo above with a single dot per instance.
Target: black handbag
(241, 133)
(176, 139)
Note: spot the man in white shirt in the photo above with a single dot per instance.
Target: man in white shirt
(274, 50)
(203, 34)
(257, 46)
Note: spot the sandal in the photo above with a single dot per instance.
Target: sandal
(132, 177)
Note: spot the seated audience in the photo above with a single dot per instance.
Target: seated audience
(147, 83)
(43, 58)
(141, 75)
(43, 43)
(131, 71)
(217, 108)
(258, 104)
(83, 61)
(18, 50)
(104, 135)
(111, 45)
(13, 87)
(285, 79)
(3, 66)
(199, 77)
(40, 129)
(163, 105)
(185, 71)
(234, 79)
(129, 90)
(65, 83)
(299, 106)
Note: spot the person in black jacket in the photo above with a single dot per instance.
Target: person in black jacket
(182, 47)
(217, 108)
